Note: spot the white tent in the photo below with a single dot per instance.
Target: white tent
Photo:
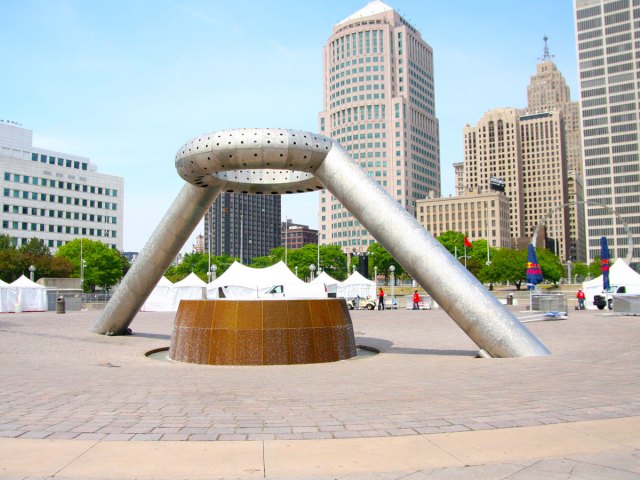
(30, 297)
(330, 283)
(7, 297)
(161, 298)
(189, 288)
(357, 286)
(620, 274)
(240, 281)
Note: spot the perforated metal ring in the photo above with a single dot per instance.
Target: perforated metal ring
(259, 160)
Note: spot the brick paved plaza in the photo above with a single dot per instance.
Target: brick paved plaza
(65, 387)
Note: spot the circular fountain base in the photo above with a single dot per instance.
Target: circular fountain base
(262, 332)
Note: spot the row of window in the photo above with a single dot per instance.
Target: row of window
(43, 212)
(61, 162)
(50, 182)
(43, 197)
(66, 229)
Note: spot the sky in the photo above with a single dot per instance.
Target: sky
(127, 82)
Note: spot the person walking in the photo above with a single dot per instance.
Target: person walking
(580, 296)
(381, 299)
(416, 300)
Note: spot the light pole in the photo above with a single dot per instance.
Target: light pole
(569, 270)
(375, 275)
(83, 265)
(296, 270)
(312, 269)
(392, 269)
(214, 269)
(32, 270)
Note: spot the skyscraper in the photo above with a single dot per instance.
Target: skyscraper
(608, 38)
(379, 104)
(242, 225)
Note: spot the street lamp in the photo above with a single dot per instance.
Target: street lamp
(375, 275)
(32, 270)
(214, 269)
(296, 270)
(83, 265)
(569, 270)
(312, 269)
(392, 269)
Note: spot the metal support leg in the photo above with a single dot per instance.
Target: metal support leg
(168, 238)
(487, 322)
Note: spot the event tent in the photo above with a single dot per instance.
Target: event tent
(620, 274)
(29, 296)
(329, 282)
(7, 297)
(161, 298)
(240, 281)
(357, 286)
(189, 288)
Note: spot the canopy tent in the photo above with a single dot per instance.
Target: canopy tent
(29, 296)
(329, 282)
(189, 288)
(240, 281)
(7, 297)
(161, 298)
(357, 286)
(620, 274)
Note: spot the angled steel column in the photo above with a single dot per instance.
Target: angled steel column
(483, 318)
(168, 238)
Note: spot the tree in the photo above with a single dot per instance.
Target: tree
(507, 265)
(580, 269)
(552, 268)
(381, 259)
(595, 267)
(103, 265)
(198, 263)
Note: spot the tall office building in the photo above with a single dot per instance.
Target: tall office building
(608, 38)
(379, 104)
(547, 91)
(56, 197)
(242, 225)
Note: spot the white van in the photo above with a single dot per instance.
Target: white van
(296, 291)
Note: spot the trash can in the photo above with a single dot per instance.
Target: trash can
(510, 299)
(60, 305)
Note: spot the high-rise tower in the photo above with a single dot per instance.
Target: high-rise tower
(242, 225)
(379, 104)
(608, 53)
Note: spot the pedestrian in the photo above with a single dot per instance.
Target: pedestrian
(580, 297)
(381, 299)
(416, 300)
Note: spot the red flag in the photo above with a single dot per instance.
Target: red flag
(467, 243)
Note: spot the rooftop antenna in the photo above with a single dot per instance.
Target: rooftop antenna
(546, 57)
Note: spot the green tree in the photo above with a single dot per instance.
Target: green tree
(507, 265)
(381, 259)
(579, 269)
(198, 263)
(103, 265)
(552, 268)
(595, 267)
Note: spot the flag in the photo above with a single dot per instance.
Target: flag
(534, 273)
(467, 243)
(604, 262)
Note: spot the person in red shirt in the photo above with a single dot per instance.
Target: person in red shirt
(580, 297)
(381, 299)
(416, 300)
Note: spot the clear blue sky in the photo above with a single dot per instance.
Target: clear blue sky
(126, 82)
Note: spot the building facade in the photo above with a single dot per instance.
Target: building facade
(242, 225)
(379, 103)
(295, 235)
(477, 215)
(56, 197)
(608, 40)
(458, 174)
